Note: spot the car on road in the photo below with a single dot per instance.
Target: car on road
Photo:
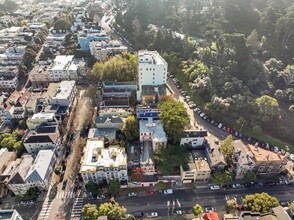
(276, 149)
(220, 125)
(178, 212)
(168, 191)
(152, 214)
(138, 214)
(209, 209)
(151, 193)
(132, 194)
(214, 187)
(237, 185)
(285, 203)
(100, 197)
(202, 115)
(64, 184)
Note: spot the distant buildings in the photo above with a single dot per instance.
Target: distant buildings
(102, 49)
(9, 77)
(100, 164)
(85, 37)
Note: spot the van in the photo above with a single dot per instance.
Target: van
(138, 214)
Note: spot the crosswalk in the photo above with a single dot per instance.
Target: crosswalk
(77, 208)
(65, 195)
(44, 214)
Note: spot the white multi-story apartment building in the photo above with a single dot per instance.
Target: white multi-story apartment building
(152, 130)
(34, 142)
(65, 94)
(41, 170)
(152, 70)
(101, 165)
(41, 117)
(10, 214)
(8, 77)
(101, 49)
(64, 68)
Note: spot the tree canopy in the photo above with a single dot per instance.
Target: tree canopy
(259, 202)
(113, 186)
(112, 210)
(122, 67)
(90, 210)
(197, 210)
(250, 176)
(268, 107)
(62, 24)
(131, 128)
(227, 147)
(92, 187)
(174, 118)
(221, 177)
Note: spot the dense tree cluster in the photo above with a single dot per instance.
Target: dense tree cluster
(260, 202)
(236, 55)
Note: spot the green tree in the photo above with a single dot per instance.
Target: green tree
(292, 206)
(259, 202)
(131, 217)
(114, 186)
(197, 210)
(19, 147)
(174, 117)
(222, 177)
(90, 210)
(131, 128)
(231, 205)
(112, 210)
(62, 24)
(92, 187)
(161, 185)
(267, 108)
(253, 41)
(58, 170)
(250, 177)
(227, 148)
(257, 130)
(179, 155)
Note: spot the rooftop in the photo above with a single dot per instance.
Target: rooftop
(40, 167)
(153, 90)
(110, 119)
(194, 134)
(64, 90)
(147, 154)
(261, 155)
(214, 153)
(8, 214)
(150, 57)
(33, 137)
(114, 83)
(153, 126)
(43, 116)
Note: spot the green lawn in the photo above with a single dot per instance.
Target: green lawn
(246, 131)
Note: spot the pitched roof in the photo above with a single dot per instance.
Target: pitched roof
(210, 216)
(102, 120)
(194, 134)
(41, 138)
(17, 99)
(41, 164)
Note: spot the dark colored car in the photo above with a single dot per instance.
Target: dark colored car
(151, 193)
(64, 184)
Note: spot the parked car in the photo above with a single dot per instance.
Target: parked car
(178, 212)
(138, 214)
(214, 187)
(285, 203)
(276, 149)
(168, 191)
(228, 130)
(209, 209)
(152, 215)
(237, 185)
(132, 194)
(101, 197)
(151, 193)
(212, 122)
(220, 125)
(202, 115)
(64, 184)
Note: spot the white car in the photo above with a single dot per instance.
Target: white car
(196, 109)
(236, 185)
(178, 212)
(214, 187)
(276, 149)
(202, 115)
(220, 125)
(152, 215)
(209, 209)
(168, 191)
(132, 194)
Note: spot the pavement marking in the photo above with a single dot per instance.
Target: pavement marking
(77, 207)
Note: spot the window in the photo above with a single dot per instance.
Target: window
(146, 69)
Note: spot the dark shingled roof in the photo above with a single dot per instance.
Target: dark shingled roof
(151, 90)
(194, 134)
(101, 120)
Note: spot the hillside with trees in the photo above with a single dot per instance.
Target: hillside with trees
(235, 56)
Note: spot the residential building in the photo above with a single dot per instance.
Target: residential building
(40, 118)
(13, 55)
(115, 92)
(214, 156)
(258, 160)
(39, 76)
(151, 94)
(197, 170)
(120, 85)
(109, 122)
(134, 155)
(9, 77)
(85, 37)
(210, 216)
(152, 72)
(114, 102)
(193, 138)
(10, 214)
(103, 49)
(147, 163)
(65, 68)
(15, 104)
(107, 133)
(5, 158)
(277, 213)
(290, 170)
(242, 158)
(147, 111)
(16, 173)
(152, 130)
(100, 164)
(115, 112)
(34, 142)
(65, 94)
(267, 162)
(40, 172)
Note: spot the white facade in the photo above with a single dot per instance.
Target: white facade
(9, 77)
(41, 117)
(100, 164)
(152, 70)
(65, 94)
(62, 69)
(35, 142)
(10, 214)
(152, 130)
(101, 49)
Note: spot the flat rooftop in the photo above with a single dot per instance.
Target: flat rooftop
(150, 57)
